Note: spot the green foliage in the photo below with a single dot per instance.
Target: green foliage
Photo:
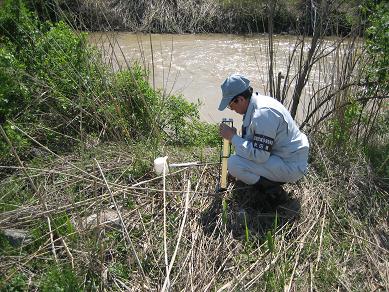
(327, 275)
(270, 241)
(145, 113)
(52, 79)
(246, 228)
(378, 149)
(13, 93)
(119, 269)
(60, 61)
(270, 235)
(49, 9)
(343, 124)
(135, 101)
(378, 48)
(16, 139)
(346, 134)
(200, 134)
(57, 279)
(17, 283)
(177, 110)
(42, 66)
(62, 225)
(379, 156)
(129, 204)
(15, 192)
(17, 24)
(140, 167)
(378, 75)
(274, 281)
(181, 120)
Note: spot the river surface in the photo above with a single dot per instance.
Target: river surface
(195, 65)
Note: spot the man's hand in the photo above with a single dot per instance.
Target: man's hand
(226, 131)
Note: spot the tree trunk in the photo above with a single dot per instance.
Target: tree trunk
(318, 20)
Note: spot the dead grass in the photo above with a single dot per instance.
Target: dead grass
(173, 233)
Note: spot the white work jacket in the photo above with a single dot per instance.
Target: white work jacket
(269, 130)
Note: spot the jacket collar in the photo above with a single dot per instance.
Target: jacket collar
(250, 109)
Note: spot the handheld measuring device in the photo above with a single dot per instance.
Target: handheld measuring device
(225, 153)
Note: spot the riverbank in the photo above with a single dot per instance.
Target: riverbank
(81, 208)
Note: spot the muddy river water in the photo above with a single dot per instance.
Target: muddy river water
(195, 65)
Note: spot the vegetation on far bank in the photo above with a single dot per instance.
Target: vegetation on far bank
(199, 16)
(92, 214)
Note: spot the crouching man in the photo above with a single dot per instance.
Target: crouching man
(272, 149)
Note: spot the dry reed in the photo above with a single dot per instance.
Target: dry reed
(318, 232)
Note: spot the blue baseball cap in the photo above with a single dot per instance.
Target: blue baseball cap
(231, 87)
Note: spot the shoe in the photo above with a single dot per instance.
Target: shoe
(276, 195)
(263, 184)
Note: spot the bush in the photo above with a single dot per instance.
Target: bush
(378, 149)
(134, 102)
(56, 86)
(378, 49)
(44, 68)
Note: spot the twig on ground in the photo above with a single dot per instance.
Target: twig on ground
(167, 279)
